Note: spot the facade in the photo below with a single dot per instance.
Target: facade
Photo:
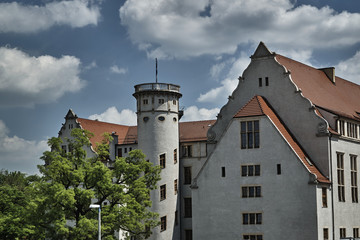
(280, 161)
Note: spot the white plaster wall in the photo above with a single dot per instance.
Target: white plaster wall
(195, 162)
(288, 201)
(289, 104)
(65, 133)
(347, 214)
(157, 137)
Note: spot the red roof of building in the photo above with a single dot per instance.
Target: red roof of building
(341, 98)
(189, 131)
(257, 106)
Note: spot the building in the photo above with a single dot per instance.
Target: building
(280, 161)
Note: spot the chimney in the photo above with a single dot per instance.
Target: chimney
(330, 73)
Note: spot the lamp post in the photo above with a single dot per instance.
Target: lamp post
(99, 207)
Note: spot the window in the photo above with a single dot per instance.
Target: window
(324, 197)
(252, 237)
(340, 177)
(354, 188)
(125, 150)
(176, 218)
(250, 170)
(356, 232)
(251, 191)
(342, 232)
(188, 234)
(278, 168)
(188, 207)
(174, 102)
(352, 130)
(260, 82)
(187, 175)
(163, 224)
(326, 233)
(161, 118)
(162, 192)
(175, 156)
(341, 127)
(250, 136)
(146, 119)
(186, 150)
(145, 101)
(71, 126)
(266, 81)
(175, 186)
(252, 218)
(63, 147)
(162, 160)
(130, 149)
(223, 171)
(161, 100)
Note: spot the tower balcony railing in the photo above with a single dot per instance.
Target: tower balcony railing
(157, 87)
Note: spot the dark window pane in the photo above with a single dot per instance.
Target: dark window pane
(243, 126)
(249, 126)
(256, 126)
(244, 171)
(257, 170)
(250, 140)
(251, 170)
(251, 191)
(258, 191)
(245, 218)
(243, 140)
(252, 218)
(244, 192)
(257, 140)
(258, 218)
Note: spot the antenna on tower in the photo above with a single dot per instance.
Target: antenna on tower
(156, 70)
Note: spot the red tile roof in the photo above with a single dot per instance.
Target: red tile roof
(341, 98)
(258, 105)
(194, 131)
(189, 131)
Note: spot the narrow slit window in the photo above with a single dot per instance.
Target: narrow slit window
(260, 82)
(278, 168)
(223, 171)
(267, 81)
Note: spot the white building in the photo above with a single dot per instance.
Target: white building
(280, 161)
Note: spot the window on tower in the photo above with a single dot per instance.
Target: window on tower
(145, 101)
(161, 101)
(162, 160)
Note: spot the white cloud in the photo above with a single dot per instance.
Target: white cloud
(112, 115)
(117, 70)
(171, 28)
(26, 80)
(19, 18)
(349, 69)
(219, 94)
(193, 113)
(91, 65)
(18, 154)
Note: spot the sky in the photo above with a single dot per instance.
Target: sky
(87, 55)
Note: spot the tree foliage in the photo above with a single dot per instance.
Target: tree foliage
(56, 206)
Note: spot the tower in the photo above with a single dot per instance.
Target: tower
(158, 138)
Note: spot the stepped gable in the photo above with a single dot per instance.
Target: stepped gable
(258, 106)
(340, 97)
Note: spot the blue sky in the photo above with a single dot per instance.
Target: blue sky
(88, 54)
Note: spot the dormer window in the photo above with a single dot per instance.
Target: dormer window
(250, 136)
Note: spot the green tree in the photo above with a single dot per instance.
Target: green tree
(16, 196)
(71, 182)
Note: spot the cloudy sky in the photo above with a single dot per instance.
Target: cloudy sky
(88, 54)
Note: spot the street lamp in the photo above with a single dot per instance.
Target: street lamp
(99, 207)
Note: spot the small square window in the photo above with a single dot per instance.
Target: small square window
(145, 101)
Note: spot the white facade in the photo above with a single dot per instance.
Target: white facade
(302, 190)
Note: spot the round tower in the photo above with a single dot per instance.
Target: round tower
(158, 138)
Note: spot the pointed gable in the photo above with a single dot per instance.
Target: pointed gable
(251, 109)
(71, 115)
(261, 51)
(258, 106)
